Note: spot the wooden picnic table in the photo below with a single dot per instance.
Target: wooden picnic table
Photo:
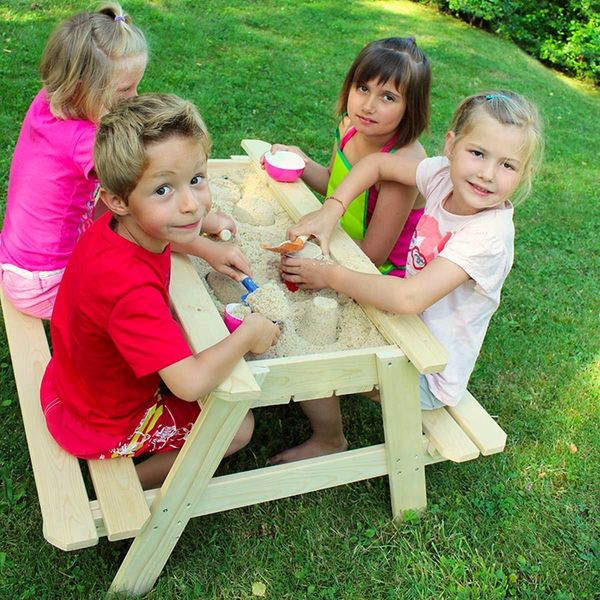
(157, 518)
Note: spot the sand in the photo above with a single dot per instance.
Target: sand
(269, 300)
(312, 321)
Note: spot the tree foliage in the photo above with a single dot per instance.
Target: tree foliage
(562, 33)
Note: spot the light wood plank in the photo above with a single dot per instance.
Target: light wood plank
(447, 437)
(237, 490)
(64, 504)
(474, 420)
(399, 393)
(120, 497)
(222, 166)
(203, 325)
(282, 481)
(292, 479)
(317, 375)
(407, 331)
(185, 484)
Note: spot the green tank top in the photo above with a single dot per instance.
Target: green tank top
(354, 220)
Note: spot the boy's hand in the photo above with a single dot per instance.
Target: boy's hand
(306, 273)
(319, 223)
(214, 222)
(227, 259)
(264, 332)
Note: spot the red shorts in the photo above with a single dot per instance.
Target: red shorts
(164, 427)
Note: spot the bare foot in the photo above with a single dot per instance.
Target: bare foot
(311, 448)
(372, 395)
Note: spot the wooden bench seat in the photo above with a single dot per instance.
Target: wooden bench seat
(68, 522)
(461, 432)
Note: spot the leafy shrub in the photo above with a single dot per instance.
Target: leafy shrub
(562, 33)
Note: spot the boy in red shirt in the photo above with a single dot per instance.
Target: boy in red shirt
(113, 336)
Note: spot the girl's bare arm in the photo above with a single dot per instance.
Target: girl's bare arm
(365, 173)
(403, 296)
(394, 203)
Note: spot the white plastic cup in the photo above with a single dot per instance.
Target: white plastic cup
(310, 250)
(232, 322)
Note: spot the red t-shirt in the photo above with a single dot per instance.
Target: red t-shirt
(112, 331)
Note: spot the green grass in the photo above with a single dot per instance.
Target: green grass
(522, 524)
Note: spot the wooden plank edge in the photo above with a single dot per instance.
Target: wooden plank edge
(120, 496)
(447, 437)
(247, 488)
(481, 428)
(48, 457)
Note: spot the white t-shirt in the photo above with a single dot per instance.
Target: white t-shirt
(482, 245)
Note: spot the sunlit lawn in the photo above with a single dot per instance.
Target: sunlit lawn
(521, 524)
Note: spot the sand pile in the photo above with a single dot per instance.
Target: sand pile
(269, 300)
(312, 321)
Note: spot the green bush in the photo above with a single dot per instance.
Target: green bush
(562, 33)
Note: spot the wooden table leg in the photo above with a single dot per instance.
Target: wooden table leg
(199, 458)
(401, 407)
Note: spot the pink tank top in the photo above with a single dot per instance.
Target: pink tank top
(50, 189)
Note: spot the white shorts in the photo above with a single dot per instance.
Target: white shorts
(428, 400)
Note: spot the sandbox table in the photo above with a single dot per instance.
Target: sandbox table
(156, 518)
(188, 490)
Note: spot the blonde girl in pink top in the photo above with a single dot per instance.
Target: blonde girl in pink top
(91, 61)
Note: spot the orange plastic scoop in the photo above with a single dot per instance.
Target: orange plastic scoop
(287, 246)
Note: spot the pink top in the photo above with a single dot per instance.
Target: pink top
(50, 189)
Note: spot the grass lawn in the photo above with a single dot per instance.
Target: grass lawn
(521, 524)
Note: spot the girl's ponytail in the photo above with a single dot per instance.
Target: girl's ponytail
(79, 61)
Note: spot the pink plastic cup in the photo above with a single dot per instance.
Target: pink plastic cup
(284, 166)
(231, 321)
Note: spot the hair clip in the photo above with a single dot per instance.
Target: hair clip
(120, 18)
(496, 97)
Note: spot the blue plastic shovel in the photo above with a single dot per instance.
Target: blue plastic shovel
(250, 285)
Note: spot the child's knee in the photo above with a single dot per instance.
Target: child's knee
(246, 429)
(244, 433)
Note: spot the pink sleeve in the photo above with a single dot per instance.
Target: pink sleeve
(145, 332)
(83, 149)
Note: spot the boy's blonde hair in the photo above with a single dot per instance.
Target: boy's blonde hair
(81, 58)
(508, 108)
(122, 139)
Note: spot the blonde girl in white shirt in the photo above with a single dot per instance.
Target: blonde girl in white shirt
(460, 254)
